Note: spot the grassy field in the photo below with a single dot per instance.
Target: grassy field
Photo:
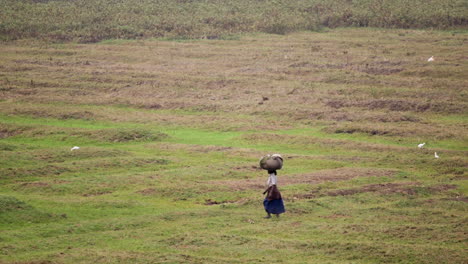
(92, 21)
(170, 134)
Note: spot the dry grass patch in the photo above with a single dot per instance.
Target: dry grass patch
(384, 188)
(322, 143)
(223, 121)
(35, 184)
(426, 130)
(219, 76)
(47, 113)
(123, 135)
(148, 191)
(43, 171)
(403, 188)
(87, 152)
(339, 174)
(329, 175)
(8, 130)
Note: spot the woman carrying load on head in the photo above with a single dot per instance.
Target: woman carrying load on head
(273, 201)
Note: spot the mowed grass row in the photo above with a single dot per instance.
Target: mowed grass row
(170, 135)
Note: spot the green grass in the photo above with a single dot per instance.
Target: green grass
(83, 211)
(97, 20)
(171, 133)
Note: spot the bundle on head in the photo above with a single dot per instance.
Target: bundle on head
(271, 162)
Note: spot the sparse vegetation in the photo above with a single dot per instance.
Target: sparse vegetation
(170, 132)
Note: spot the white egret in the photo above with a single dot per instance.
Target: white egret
(430, 59)
(421, 145)
(74, 148)
(435, 155)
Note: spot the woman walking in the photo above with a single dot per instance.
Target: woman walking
(273, 202)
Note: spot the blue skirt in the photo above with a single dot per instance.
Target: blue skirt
(274, 206)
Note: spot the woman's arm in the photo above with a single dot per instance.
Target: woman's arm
(267, 190)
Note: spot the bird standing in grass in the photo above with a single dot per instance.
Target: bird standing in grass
(74, 148)
(430, 59)
(435, 155)
(421, 145)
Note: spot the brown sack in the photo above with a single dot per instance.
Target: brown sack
(271, 162)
